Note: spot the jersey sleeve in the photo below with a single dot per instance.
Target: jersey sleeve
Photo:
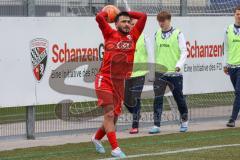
(138, 28)
(103, 24)
(151, 57)
(183, 50)
(225, 51)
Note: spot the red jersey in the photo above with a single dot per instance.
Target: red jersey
(119, 48)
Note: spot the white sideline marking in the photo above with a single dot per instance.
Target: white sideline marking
(177, 151)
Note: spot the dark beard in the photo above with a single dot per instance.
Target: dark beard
(122, 31)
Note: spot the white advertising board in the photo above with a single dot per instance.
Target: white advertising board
(35, 55)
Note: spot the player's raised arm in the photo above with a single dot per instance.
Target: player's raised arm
(106, 29)
(142, 18)
(107, 15)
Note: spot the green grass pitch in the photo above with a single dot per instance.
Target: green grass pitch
(143, 145)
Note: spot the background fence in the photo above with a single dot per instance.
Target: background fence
(90, 7)
(55, 119)
(58, 120)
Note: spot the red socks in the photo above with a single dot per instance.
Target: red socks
(112, 139)
(99, 134)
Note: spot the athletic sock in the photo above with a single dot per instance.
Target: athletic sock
(99, 134)
(112, 139)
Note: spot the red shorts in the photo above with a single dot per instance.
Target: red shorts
(110, 92)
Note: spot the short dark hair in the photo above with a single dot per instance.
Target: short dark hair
(123, 13)
(164, 15)
(236, 9)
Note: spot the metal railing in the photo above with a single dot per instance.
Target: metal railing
(57, 120)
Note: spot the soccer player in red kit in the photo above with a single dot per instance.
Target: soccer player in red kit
(116, 67)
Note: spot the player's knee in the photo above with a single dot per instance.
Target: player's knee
(109, 114)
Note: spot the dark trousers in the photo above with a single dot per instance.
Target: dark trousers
(132, 97)
(176, 86)
(235, 78)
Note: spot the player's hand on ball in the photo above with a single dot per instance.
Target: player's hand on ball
(177, 69)
(225, 69)
(112, 12)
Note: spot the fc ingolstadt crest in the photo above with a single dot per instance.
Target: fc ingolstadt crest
(39, 52)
